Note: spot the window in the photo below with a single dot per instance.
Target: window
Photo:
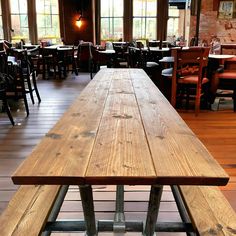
(177, 28)
(48, 20)
(19, 20)
(144, 19)
(1, 28)
(112, 20)
(173, 23)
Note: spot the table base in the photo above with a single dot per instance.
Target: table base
(119, 225)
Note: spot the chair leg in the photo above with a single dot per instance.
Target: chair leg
(6, 107)
(26, 105)
(187, 98)
(30, 89)
(197, 102)
(91, 69)
(74, 67)
(234, 99)
(35, 86)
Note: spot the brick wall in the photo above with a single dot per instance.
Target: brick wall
(210, 24)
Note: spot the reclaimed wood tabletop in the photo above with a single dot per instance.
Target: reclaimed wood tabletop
(120, 130)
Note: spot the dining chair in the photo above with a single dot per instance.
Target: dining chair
(3, 97)
(66, 60)
(134, 57)
(150, 65)
(224, 81)
(84, 58)
(17, 88)
(28, 71)
(189, 76)
(120, 59)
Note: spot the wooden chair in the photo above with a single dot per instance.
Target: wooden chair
(224, 81)
(188, 74)
(84, 57)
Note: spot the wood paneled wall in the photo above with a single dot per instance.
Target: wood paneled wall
(70, 11)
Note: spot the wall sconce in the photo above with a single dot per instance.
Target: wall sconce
(79, 21)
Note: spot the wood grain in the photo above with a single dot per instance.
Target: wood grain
(66, 149)
(28, 204)
(121, 143)
(121, 130)
(177, 153)
(210, 211)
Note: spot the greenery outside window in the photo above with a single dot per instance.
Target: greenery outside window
(112, 12)
(19, 20)
(144, 19)
(48, 25)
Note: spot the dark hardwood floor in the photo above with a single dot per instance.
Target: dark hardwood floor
(217, 130)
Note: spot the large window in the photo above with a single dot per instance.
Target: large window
(173, 29)
(144, 19)
(48, 20)
(112, 20)
(177, 24)
(1, 29)
(19, 20)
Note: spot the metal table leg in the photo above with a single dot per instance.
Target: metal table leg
(88, 208)
(153, 208)
(119, 219)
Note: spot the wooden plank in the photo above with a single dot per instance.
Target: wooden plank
(65, 150)
(121, 148)
(209, 210)
(177, 153)
(102, 139)
(20, 216)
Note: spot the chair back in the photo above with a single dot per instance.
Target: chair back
(188, 63)
(84, 51)
(134, 57)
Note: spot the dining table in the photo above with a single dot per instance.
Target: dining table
(120, 131)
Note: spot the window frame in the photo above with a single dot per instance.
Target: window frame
(109, 18)
(161, 18)
(32, 19)
(19, 14)
(145, 18)
(45, 28)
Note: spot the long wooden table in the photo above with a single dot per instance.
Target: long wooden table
(120, 131)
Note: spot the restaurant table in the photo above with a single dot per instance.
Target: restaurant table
(120, 131)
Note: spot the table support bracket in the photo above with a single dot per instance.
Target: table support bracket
(119, 218)
(86, 194)
(153, 209)
(56, 207)
(181, 207)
